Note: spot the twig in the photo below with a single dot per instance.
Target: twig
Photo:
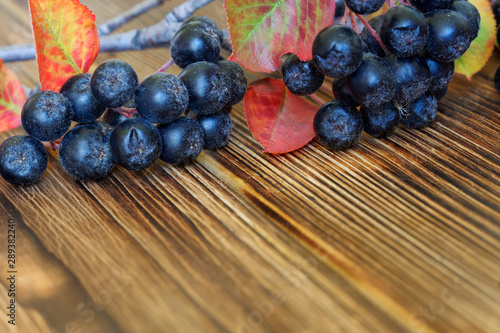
(343, 21)
(166, 66)
(158, 35)
(353, 22)
(112, 24)
(373, 32)
(129, 113)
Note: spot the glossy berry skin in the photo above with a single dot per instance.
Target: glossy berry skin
(340, 91)
(238, 80)
(364, 7)
(449, 35)
(440, 93)
(339, 8)
(182, 141)
(429, 5)
(216, 128)
(373, 83)
(404, 31)
(301, 77)
(135, 144)
(23, 160)
(85, 106)
(102, 126)
(368, 38)
(337, 51)
(47, 115)
(381, 120)
(114, 83)
(161, 98)
(422, 112)
(85, 153)
(470, 13)
(441, 72)
(412, 77)
(497, 80)
(208, 86)
(338, 125)
(194, 42)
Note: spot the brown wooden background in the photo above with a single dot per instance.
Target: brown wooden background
(395, 235)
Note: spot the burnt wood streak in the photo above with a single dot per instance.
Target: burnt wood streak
(393, 235)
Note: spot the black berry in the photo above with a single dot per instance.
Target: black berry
(85, 106)
(301, 77)
(23, 160)
(182, 141)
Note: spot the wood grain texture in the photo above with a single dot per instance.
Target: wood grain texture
(394, 235)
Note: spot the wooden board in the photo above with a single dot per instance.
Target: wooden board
(394, 235)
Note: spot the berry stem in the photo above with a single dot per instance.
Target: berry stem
(55, 145)
(129, 113)
(343, 21)
(166, 66)
(373, 32)
(353, 22)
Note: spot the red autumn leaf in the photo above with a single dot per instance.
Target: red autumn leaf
(12, 98)
(66, 40)
(262, 31)
(280, 121)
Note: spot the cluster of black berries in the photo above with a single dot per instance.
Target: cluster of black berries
(207, 87)
(398, 80)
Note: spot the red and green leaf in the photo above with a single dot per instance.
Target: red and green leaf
(12, 98)
(482, 47)
(262, 31)
(280, 121)
(66, 40)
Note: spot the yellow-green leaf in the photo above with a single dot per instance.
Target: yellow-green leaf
(482, 47)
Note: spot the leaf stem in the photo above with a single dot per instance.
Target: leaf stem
(373, 32)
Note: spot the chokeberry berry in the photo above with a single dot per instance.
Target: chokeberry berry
(135, 144)
(114, 83)
(412, 77)
(23, 160)
(216, 128)
(238, 79)
(429, 5)
(373, 83)
(337, 51)
(47, 115)
(208, 86)
(449, 35)
(85, 107)
(301, 77)
(422, 112)
(380, 121)
(182, 141)
(404, 31)
(364, 7)
(161, 98)
(85, 153)
(367, 37)
(338, 125)
(195, 41)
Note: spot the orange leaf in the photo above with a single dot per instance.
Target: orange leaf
(12, 98)
(280, 121)
(66, 40)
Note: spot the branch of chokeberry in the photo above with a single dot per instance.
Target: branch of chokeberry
(353, 22)
(157, 35)
(129, 113)
(112, 24)
(373, 32)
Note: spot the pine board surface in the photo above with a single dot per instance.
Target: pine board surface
(394, 235)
